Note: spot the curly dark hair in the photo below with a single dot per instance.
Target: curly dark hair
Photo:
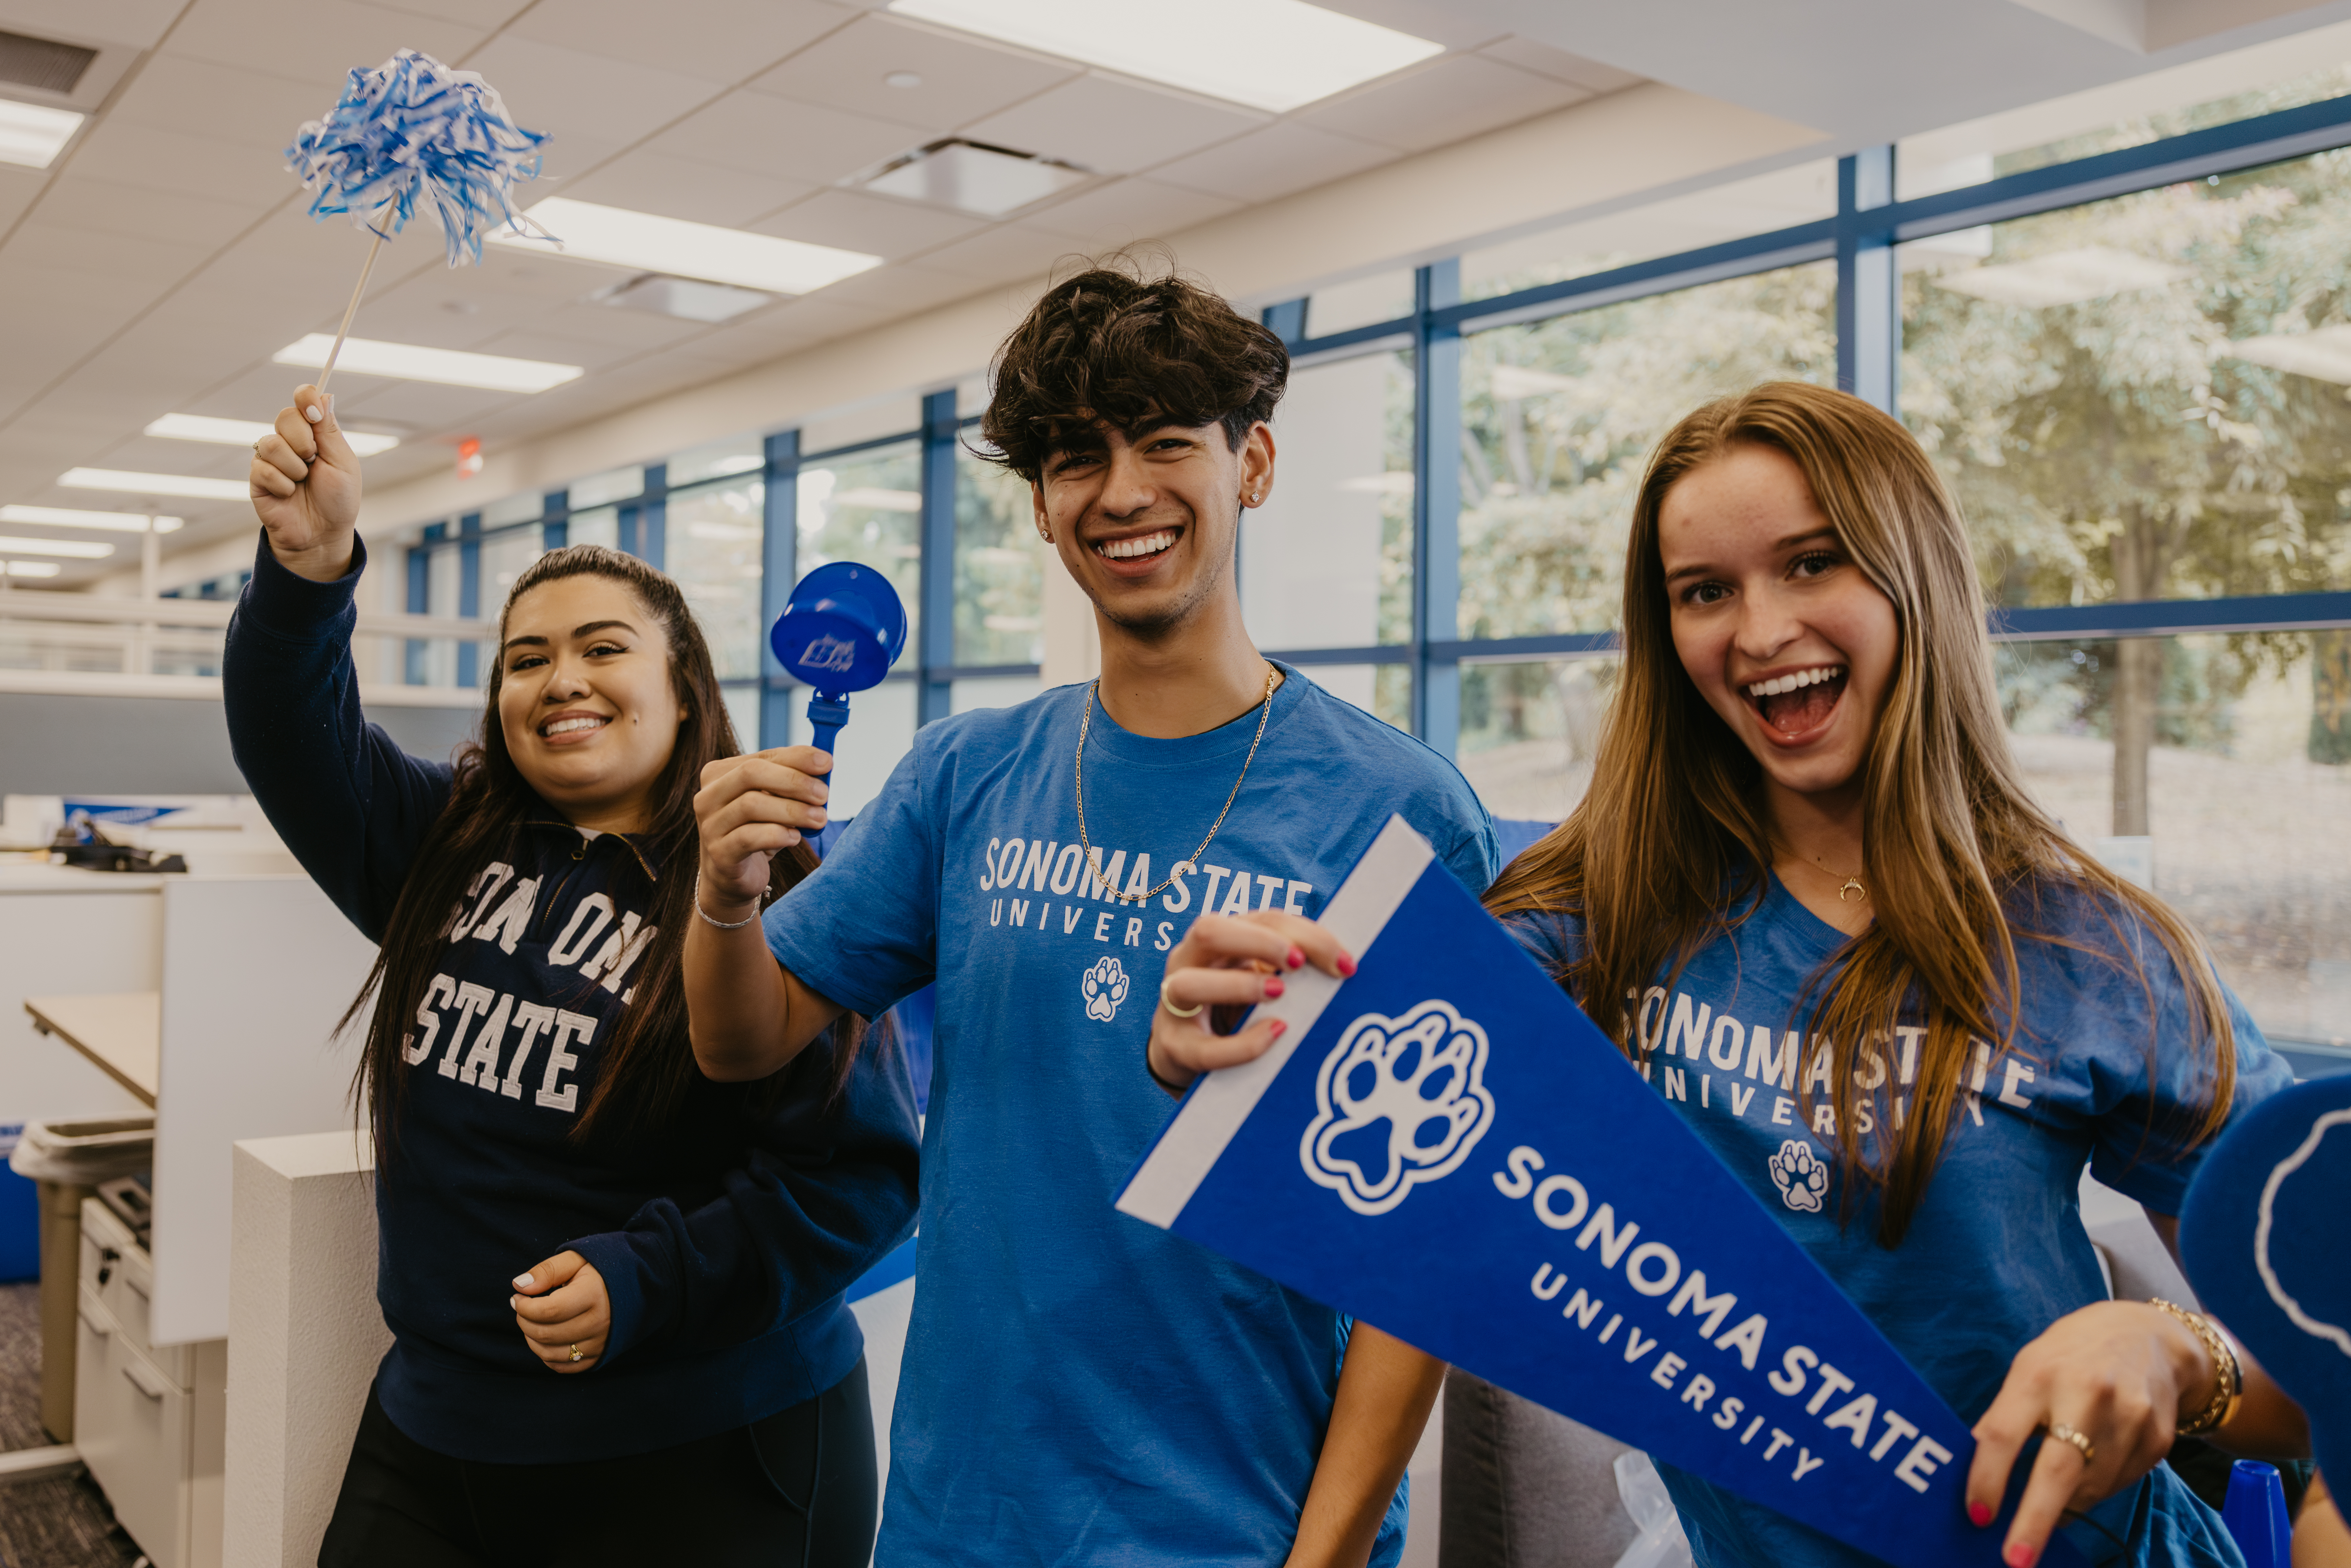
(1135, 347)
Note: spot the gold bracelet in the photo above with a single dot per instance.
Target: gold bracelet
(2227, 1372)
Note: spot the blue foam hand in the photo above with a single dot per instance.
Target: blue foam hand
(414, 130)
(2265, 1235)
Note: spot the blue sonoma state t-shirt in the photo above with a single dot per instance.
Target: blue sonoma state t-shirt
(1996, 1251)
(1080, 1386)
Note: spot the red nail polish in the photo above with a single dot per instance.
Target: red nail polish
(1272, 988)
(1297, 958)
(1978, 1514)
(1346, 965)
(1278, 1028)
(2023, 1555)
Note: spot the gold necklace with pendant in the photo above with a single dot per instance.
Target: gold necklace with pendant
(1094, 871)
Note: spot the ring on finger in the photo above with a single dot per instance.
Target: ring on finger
(577, 1354)
(2061, 1433)
(1169, 1002)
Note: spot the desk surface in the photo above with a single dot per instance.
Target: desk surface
(123, 1033)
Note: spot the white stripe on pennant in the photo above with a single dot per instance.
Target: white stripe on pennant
(1196, 1139)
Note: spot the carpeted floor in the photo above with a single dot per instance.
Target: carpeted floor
(63, 1522)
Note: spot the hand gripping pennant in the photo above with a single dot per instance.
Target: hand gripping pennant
(1443, 1145)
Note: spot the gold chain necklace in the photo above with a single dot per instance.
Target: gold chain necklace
(1852, 884)
(1094, 871)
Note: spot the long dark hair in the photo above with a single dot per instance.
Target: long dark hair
(646, 1068)
(1952, 838)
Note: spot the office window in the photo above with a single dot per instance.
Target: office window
(2239, 84)
(2163, 786)
(713, 550)
(1327, 561)
(2144, 398)
(1364, 302)
(1559, 418)
(523, 506)
(880, 730)
(612, 485)
(868, 508)
(1000, 568)
(443, 570)
(993, 691)
(596, 526)
(1530, 731)
(1782, 199)
(504, 555)
(739, 455)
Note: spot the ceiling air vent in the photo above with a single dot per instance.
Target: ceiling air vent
(42, 63)
(973, 177)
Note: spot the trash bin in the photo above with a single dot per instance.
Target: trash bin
(20, 1217)
(68, 1160)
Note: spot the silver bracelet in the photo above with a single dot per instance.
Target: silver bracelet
(722, 925)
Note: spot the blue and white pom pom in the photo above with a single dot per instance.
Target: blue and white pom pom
(414, 128)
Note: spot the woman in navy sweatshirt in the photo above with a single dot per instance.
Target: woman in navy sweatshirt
(614, 1287)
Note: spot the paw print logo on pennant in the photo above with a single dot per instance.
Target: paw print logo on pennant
(1399, 1102)
(1800, 1175)
(1105, 986)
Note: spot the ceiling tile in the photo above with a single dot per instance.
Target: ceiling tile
(563, 157)
(333, 38)
(875, 225)
(155, 263)
(549, 88)
(184, 164)
(146, 454)
(1131, 209)
(902, 291)
(423, 315)
(231, 103)
(260, 390)
(634, 332)
(18, 189)
(1112, 125)
(477, 12)
(1273, 162)
(1459, 96)
(136, 22)
(76, 200)
(998, 255)
(1559, 64)
(591, 356)
(424, 404)
(963, 79)
(762, 134)
(645, 182)
(716, 40)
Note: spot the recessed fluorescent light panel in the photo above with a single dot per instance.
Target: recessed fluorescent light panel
(619, 237)
(33, 568)
(78, 549)
(131, 484)
(32, 135)
(71, 518)
(974, 177)
(1274, 54)
(245, 431)
(683, 297)
(406, 361)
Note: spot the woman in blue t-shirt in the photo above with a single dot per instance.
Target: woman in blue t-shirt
(1882, 983)
(614, 1288)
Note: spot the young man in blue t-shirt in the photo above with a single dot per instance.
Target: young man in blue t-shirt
(1078, 1386)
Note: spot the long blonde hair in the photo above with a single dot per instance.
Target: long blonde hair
(1955, 850)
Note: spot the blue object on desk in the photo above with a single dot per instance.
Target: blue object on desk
(840, 632)
(2255, 1513)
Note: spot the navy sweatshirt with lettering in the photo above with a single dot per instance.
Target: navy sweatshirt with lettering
(726, 1241)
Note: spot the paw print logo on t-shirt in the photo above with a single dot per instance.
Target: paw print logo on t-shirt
(1105, 987)
(1800, 1175)
(1399, 1101)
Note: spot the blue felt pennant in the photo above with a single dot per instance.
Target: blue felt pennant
(1437, 1145)
(414, 130)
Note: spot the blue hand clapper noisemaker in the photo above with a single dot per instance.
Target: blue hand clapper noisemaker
(841, 631)
(1444, 1147)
